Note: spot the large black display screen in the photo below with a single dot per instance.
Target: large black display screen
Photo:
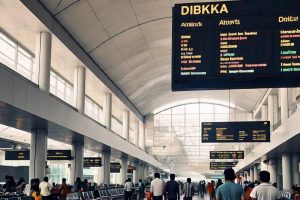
(92, 162)
(115, 167)
(226, 154)
(222, 165)
(59, 155)
(17, 155)
(237, 44)
(248, 131)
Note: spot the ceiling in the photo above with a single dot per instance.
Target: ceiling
(131, 41)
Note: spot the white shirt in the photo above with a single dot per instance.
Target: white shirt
(45, 188)
(128, 186)
(157, 187)
(264, 191)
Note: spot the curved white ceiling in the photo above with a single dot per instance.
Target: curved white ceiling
(131, 42)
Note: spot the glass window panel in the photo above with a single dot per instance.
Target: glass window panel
(192, 140)
(7, 61)
(178, 131)
(165, 120)
(206, 118)
(178, 120)
(221, 117)
(192, 108)
(60, 85)
(165, 112)
(192, 120)
(23, 71)
(221, 109)
(206, 108)
(193, 131)
(178, 110)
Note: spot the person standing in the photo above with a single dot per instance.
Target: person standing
(157, 187)
(77, 185)
(63, 190)
(128, 187)
(188, 189)
(141, 190)
(229, 190)
(264, 191)
(45, 189)
(172, 189)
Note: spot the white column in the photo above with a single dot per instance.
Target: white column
(264, 113)
(79, 88)
(273, 171)
(263, 166)
(249, 116)
(279, 173)
(142, 135)
(295, 169)
(77, 162)
(255, 173)
(124, 167)
(271, 109)
(284, 104)
(251, 175)
(137, 132)
(126, 121)
(107, 107)
(43, 59)
(136, 173)
(38, 153)
(286, 171)
(105, 169)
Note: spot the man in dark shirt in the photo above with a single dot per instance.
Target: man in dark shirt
(172, 189)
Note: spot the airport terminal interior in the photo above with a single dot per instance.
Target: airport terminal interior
(107, 90)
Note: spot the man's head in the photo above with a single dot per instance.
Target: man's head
(172, 177)
(129, 179)
(46, 179)
(156, 175)
(264, 176)
(229, 174)
(63, 180)
(188, 180)
(140, 180)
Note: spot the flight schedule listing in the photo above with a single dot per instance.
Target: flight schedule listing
(236, 45)
(222, 165)
(247, 131)
(226, 154)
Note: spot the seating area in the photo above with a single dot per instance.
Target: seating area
(100, 194)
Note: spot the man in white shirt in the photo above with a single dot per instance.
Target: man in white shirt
(264, 191)
(128, 189)
(157, 187)
(45, 188)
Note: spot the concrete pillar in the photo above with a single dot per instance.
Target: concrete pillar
(286, 172)
(295, 169)
(264, 113)
(79, 89)
(255, 172)
(273, 170)
(105, 169)
(124, 167)
(107, 107)
(137, 132)
(136, 173)
(126, 121)
(279, 173)
(252, 174)
(43, 59)
(271, 109)
(38, 153)
(77, 162)
(249, 116)
(284, 104)
(142, 136)
(263, 166)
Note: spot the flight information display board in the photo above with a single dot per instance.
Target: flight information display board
(236, 44)
(59, 155)
(17, 155)
(221, 165)
(226, 154)
(248, 131)
(115, 167)
(92, 162)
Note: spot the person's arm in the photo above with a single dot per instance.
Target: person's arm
(151, 187)
(178, 191)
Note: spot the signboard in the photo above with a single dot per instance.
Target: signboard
(59, 155)
(226, 154)
(236, 44)
(92, 162)
(115, 167)
(17, 155)
(222, 165)
(248, 131)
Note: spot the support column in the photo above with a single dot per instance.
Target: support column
(124, 167)
(284, 104)
(264, 113)
(279, 173)
(79, 89)
(286, 171)
(77, 162)
(249, 116)
(126, 120)
(107, 110)
(142, 136)
(295, 169)
(43, 59)
(255, 173)
(273, 171)
(136, 173)
(38, 153)
(271, 109)
(105, 169)
(252, 174)
(137, 132)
